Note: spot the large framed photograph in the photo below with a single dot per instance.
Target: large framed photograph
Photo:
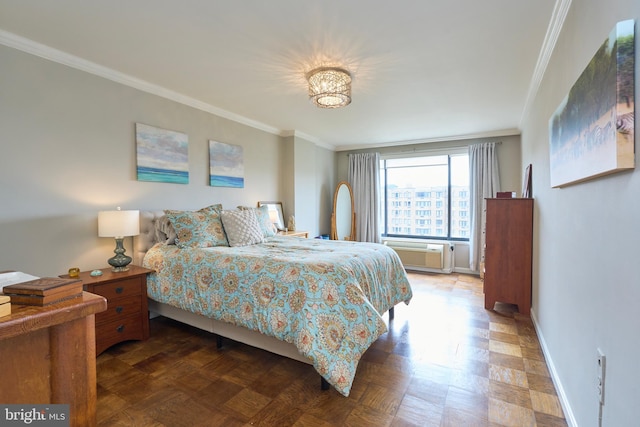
(275, 213)
(591, 133)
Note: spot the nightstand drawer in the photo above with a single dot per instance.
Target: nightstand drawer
(119, 308)
(126, 328)
(119, 289)
(127, 315)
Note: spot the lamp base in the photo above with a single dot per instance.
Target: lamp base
(120, 261)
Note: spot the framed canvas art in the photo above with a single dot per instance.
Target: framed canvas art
(591, 133)
(226, 167)
(162, 155)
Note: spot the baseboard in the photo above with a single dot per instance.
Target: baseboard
(566, 407)
(463, 270)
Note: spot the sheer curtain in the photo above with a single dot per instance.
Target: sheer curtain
(484, 183)
(364, 177)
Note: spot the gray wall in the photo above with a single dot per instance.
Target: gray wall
(314, 181)
(585, 286)
(68, 151)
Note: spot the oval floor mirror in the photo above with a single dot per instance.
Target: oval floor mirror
(343, 218)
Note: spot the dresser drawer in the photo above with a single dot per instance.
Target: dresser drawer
(121, 288)
(118, 308)
(123, 329)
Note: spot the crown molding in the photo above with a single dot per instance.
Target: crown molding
(310, 138)
(492, 134)
(55, 55)
(558, 17)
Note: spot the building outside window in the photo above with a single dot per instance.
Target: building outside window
(416, 183)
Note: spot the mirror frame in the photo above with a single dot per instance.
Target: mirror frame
(334, 229)
(277, 207)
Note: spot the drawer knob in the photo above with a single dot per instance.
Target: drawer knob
(120, 328)
(119, 290)
(119, 309)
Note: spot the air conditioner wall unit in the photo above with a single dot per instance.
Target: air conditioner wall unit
(424, 256)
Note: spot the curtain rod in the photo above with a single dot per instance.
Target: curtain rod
(426, 150)
(443, 148)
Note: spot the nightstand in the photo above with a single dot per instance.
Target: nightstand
(304, 234)
(127, 315)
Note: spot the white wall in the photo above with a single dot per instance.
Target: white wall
(68, 150)
(586, 288)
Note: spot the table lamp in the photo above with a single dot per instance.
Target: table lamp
(119, 224)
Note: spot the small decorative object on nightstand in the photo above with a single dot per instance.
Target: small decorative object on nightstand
(127, 315)
(119, 224)
(291, 225)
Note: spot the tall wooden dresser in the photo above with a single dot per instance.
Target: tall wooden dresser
(508, 253)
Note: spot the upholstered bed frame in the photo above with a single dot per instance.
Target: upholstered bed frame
(143, 242)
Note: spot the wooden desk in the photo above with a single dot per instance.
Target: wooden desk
(48, 355)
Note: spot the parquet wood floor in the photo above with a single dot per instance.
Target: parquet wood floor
(446, 361)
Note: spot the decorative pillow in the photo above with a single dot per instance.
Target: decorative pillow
(199, 229)
(242, 227)
(165, 233)
(262, 213)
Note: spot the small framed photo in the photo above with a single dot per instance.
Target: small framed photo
(275, 213)
(526, 183)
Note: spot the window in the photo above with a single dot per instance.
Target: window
(415, 183)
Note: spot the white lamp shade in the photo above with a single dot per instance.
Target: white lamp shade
(118, 223)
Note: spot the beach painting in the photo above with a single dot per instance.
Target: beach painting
(162, 155)
(226, 167)
(591, 133)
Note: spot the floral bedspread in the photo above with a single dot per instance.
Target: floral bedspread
(325, 297)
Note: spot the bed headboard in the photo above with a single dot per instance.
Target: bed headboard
(147, 237)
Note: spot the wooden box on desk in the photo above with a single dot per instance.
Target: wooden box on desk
(43, 291)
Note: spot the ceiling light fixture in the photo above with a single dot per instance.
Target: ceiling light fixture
(329, 87)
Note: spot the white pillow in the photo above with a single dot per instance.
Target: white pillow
(242, 227)
(262, 213)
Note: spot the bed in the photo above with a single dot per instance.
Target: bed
(313, 300)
